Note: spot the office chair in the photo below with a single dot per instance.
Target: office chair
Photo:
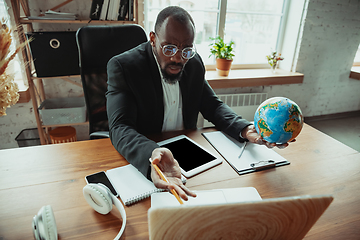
(96, 45)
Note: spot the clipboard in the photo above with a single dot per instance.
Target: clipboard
(244, 157)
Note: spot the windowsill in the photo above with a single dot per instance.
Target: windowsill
(24, 92)
(236, 78)
(355, 73)
(252, 78)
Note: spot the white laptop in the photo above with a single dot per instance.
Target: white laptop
(237, 213)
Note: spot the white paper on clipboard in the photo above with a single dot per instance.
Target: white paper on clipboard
(252, 158)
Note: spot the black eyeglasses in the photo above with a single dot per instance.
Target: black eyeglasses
(170, 50)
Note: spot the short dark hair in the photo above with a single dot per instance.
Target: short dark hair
(178, 13)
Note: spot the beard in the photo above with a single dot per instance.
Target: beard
(172, 78)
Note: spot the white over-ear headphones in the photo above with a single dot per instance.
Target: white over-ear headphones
(44, 225)
(97, 195)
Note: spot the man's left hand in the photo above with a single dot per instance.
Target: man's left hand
(251, 134)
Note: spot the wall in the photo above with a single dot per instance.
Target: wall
(325, 47)
(329, 40)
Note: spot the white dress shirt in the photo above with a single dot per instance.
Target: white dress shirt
(173, 117)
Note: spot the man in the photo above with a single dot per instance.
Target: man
(160, 86)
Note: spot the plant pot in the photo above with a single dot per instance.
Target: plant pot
(223, 66)
(274, 67)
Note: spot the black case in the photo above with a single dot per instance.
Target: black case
(54, 53)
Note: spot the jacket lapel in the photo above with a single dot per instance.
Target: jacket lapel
(155, 77)
(185, 97)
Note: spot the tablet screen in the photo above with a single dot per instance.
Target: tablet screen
(188, 154)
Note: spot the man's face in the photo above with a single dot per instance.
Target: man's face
(174, 33)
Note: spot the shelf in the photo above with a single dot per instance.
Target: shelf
(24, 92)
(355, 73)
(253, 78)
(24, 96)
(67, 76)
(65, 124)
(35, 91)
(25, 20)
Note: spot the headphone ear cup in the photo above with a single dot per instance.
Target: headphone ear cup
(44, 224)
(98, 198)
(49, 222)
(101, 200)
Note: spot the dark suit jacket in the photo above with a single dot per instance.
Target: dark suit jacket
(135, 103)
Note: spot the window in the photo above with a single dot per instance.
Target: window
(14, 65)
(357, 57)
(256, 26)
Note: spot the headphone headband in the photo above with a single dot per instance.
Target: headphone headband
(98, 196)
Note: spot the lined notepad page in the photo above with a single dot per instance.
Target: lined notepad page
(130, 184)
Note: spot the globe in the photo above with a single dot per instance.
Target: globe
(278, 120)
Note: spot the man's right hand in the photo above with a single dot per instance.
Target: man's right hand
(164, 159)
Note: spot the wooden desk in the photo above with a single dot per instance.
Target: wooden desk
(54, 174)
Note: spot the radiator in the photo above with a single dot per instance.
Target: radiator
(244, 104)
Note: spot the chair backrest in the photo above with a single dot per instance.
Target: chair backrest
(97, 44)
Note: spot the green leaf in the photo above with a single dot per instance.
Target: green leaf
(221, 50)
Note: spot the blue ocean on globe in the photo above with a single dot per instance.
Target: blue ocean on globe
(278, 120)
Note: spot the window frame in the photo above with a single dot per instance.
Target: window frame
(356, 64)
(220, 29)
(15, 65)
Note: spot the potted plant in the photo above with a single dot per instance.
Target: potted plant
(223, 54)
(273, 60)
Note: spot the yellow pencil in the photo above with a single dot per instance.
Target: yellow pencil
(165, 179)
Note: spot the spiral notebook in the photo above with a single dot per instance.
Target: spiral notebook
(131, 185)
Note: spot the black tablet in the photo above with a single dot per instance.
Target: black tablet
(191, 157)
